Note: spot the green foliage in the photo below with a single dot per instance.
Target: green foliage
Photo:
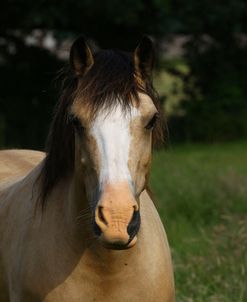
(201, 196)
(112, 23)
(215, 19)
(219, 74)
(216, 54)
(26, 96)
(26, 73)
(213, 102)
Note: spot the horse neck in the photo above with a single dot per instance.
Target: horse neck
(76, 208)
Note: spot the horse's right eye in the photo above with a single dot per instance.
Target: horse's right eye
(75, 121)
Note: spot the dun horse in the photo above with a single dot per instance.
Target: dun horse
(78, 223)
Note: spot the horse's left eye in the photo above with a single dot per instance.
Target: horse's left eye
(152, 122)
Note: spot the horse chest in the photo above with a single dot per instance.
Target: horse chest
(128, 286)
(128, 280)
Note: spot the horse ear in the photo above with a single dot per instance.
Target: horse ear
(81, 58)
(144, 58)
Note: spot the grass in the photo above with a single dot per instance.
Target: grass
(201, 193)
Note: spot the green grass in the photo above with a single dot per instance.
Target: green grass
(201, 194)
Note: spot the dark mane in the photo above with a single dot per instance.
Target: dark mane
(110, 81)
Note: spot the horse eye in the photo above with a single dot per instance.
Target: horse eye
(152, 122)
(76, 124)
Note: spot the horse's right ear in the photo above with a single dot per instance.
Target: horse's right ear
(81, 58)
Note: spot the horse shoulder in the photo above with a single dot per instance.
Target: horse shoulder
(16, 211)
(17, 163)
(157, 251)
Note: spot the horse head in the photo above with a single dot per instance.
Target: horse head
(114, 116)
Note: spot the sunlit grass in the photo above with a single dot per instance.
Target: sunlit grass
(201, 194)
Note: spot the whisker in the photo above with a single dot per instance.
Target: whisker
(86, 221)
(87, 215)
(86, 210)
(78, 224)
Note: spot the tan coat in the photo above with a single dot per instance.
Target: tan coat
(49, 257)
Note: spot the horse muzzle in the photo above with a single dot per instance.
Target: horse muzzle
(117, 219)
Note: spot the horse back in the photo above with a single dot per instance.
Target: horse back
(17, 163)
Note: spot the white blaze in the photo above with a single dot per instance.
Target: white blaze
(112, 133)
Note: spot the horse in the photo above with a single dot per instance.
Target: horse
(77, 223)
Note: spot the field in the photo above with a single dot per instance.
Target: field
(201, 194)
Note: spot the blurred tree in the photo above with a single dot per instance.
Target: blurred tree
(215, 106)
(215, 88)
(26, 94)
(112, 23)
(26, 72)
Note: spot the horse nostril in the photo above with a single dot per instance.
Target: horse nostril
(134, 224)
(101, 215)
(136, 208)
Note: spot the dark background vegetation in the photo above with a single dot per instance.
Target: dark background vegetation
(214, 95)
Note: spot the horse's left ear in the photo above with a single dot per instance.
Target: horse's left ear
(144, 58)
(81, 58)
